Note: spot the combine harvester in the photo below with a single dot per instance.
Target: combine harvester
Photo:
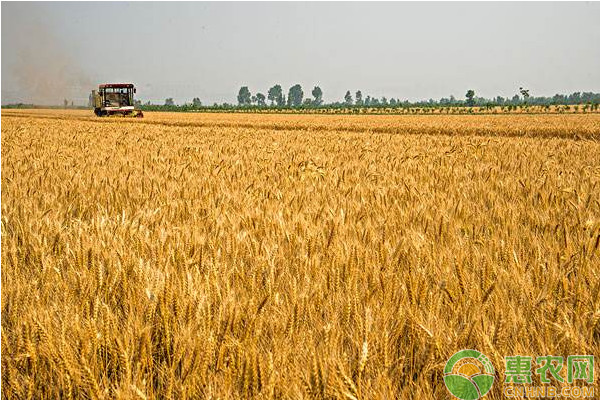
(115, 99)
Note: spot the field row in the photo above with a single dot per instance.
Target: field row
(575, 126)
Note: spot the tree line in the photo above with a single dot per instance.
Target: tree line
(295, 98)
(276, 98)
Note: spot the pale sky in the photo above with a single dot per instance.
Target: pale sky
(413, 51)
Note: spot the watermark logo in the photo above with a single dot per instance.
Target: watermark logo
(469, 375)
(556, 379)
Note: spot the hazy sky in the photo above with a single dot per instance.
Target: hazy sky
(404, 50)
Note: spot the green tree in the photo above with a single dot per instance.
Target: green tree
(295, 95)
(348, 98)
(318, 95)
(358, 98)
(470, 97)
(196, 102)
(275, 95)
(244, 96)
(169, 102)
(260, 99)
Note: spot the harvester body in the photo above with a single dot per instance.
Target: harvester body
(115, 99)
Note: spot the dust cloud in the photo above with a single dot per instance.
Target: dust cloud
(43, 70)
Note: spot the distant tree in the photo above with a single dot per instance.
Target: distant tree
(358, 98)
(169, 102)
(384, 101)
(275, 95)
(196, 102)
(318, 95)
(575, 98)
(348, 98)
(295, 95)
(66, 103)
(470, 97)
(244, 96)
(260, 99)
(368, 100)
(308, 102)
(587, 97)
(393, 102)
(524, 93)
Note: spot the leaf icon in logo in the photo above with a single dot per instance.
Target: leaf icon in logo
(461, 387)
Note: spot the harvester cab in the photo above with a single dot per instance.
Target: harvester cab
(115, 99)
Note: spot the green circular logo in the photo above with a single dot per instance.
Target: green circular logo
(469, 375)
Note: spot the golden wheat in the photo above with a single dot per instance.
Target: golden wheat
(276, 256)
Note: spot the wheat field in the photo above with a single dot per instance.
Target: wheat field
(291, 256)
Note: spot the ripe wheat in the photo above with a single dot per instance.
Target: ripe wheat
(274, 256)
